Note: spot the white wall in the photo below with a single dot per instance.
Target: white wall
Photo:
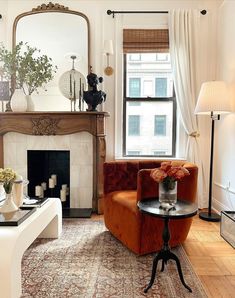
(104, 27)
(224, 160)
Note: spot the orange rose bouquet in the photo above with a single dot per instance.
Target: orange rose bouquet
(168, 174)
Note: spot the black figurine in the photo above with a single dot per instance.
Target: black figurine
(93, 96)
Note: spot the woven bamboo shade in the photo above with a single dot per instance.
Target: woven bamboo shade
(145, 40)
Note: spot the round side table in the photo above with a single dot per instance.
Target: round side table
(182, 209)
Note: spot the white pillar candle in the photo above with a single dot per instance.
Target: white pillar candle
(64, 186)
(42, 193)
(63, 195)
(44, 185)
(51, 183)
(38, 191)
(54, 177)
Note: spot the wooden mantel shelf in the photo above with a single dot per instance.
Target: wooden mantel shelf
(62, 123)
(53, 123)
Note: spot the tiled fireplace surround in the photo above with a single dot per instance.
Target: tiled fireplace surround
(82, 133)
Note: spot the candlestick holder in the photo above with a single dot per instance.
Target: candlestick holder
(71, 85)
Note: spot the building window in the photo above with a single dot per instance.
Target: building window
(159, 152)
(134, 152)
(160, 125)
(134, 103)
(134, 87)
(161, 87)
(162, 57)
(133, 125)
(135, 57)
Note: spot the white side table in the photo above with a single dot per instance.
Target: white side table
(45, 222)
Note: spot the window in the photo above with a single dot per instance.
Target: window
(134, 152)
(135, 57)
(134, 87)
(133, 125)
(134, 103)
(162, 57)
(158, 152)
(150, 128)
(161, 87)
(160, 125)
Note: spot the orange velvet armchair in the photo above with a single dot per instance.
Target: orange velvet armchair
(127, 182)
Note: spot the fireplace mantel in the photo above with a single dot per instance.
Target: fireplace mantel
(62, 123)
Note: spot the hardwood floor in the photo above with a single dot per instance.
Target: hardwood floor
(213, 259)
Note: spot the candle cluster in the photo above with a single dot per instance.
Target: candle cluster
(52, 182)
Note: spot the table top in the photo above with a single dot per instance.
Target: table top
(183, 209)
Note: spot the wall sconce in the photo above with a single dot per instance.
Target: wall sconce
(108, 50)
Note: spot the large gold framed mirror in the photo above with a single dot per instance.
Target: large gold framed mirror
(59, 33)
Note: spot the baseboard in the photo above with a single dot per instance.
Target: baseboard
(218, 206)
(77, 212)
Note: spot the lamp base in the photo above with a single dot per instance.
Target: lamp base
(209, 217)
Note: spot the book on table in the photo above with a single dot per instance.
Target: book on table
(34, 202)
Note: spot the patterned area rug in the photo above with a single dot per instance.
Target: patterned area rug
(88, 262)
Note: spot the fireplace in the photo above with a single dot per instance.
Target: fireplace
(49, 174)
(39, 128)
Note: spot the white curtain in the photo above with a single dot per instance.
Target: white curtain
(183, 40)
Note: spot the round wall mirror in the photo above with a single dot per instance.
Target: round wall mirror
(59, 33)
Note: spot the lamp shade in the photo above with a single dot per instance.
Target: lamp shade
(108, 47)
(213, 97)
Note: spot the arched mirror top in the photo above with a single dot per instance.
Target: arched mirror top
(66, 31)
(59, 33)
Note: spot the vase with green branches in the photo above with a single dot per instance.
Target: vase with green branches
(26, 67)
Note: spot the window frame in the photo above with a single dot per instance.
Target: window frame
(126, 100)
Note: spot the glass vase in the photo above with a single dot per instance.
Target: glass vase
(168, 195)
(9, 205)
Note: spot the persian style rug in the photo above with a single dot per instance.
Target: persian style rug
(88, 262)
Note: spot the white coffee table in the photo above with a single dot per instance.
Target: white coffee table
(45, 222)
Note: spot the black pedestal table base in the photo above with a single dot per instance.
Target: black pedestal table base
(165, 254)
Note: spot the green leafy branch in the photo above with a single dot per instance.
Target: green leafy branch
(26, 67)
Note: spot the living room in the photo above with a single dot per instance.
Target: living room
(107, 141)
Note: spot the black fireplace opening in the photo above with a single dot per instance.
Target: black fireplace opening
(43, 165)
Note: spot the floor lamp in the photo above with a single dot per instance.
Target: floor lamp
(213, 100)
